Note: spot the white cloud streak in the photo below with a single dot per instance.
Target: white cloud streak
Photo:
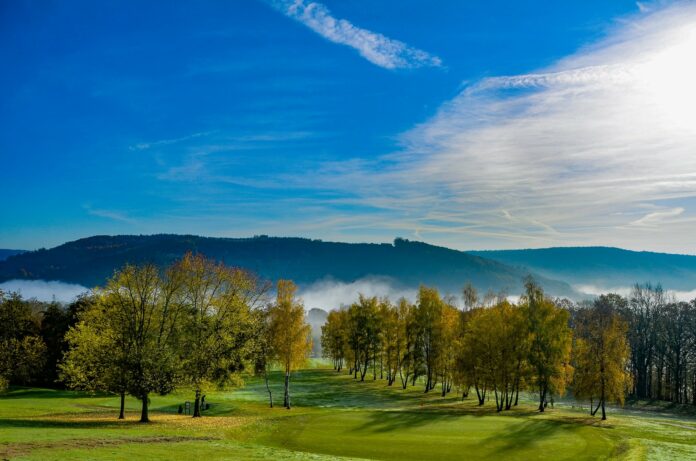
(166, 142)
(658, 217)
(600, 148)
(376, 48)
(113, 215)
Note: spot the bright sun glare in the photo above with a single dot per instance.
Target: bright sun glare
(669, 80)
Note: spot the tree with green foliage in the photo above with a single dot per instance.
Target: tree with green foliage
(22, 350)
(137, 319)
(97, 358)
(263, 352)
(216, 343)
(56, 320)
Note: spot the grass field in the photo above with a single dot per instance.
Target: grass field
(333, 418)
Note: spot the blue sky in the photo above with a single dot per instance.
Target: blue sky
(482, 124)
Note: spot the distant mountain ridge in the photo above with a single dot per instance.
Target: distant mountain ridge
(606, 267)
(563, 271)
(6, 253)
(90, 261)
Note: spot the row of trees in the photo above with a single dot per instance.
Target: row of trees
(662, 341)
(498, 349)
(195, 325)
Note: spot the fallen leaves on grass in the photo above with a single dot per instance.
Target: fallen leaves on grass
(8, 450)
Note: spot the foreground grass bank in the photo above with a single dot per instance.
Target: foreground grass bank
(333, 418)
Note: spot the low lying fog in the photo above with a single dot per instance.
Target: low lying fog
(626, 291)
(325, 294)
(330, 294)
(43, 290)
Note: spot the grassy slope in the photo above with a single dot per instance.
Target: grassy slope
(334, 418)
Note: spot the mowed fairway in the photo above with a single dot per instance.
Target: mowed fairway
(333, 418)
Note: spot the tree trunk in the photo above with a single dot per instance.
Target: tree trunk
(287, 390)
(374, 365)
(480, 395)
(404, 382)
(594, 412)
(542, 398)
(270, 396)
(144, 418)
(197, 404)
(122, 413)
(366, 367)
(603, 397)
(381, 365)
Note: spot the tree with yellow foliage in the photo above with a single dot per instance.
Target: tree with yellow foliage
(290, 335)
(601, 355)
(450, 343)
(428, 314)
(334, 338)
(550, 343)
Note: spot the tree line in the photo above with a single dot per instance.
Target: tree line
(643, 345)
(195, 325)
(198, 324)
(662, 342)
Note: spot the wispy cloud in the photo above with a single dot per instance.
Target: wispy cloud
(375, 47)
(165, 142)
(658, 217)
(113, 215)
(572, 154)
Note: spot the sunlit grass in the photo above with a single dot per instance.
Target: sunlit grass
(334, 417)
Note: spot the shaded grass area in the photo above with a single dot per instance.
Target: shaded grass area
(334, 417)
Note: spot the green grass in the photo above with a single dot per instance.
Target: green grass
(334, 417)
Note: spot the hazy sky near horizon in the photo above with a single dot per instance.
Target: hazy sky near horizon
(482, 124)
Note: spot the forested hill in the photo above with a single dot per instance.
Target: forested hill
(5, 253)
(92, 260)
(603, 266)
